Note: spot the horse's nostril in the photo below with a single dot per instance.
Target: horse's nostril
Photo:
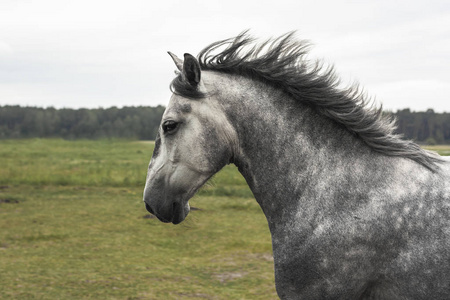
(149, 209)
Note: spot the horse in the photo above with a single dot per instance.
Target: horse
(354, 210)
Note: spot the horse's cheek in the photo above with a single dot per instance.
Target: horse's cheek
(216, 150)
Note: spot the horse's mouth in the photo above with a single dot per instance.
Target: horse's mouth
(177, 215)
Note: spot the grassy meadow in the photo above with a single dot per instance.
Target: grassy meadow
(73, 226)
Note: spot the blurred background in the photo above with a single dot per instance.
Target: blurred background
(102, 53)
(80, 69)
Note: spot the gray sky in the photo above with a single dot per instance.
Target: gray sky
(98, 53)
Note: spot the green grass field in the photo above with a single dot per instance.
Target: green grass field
(73, 226)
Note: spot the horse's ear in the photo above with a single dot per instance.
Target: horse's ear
(191, 69)
(178, 62)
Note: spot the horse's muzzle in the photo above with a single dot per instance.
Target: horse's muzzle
(149, 209)
(175, 215)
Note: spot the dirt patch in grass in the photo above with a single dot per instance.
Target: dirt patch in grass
(229, 276)
(9, 200)
(149, 216)
(261, 256)
(237, 258)
(195, 296)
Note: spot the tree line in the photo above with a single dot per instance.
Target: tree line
(127, 122)
(427, 127)
(142, 123)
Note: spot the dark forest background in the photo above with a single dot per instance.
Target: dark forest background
(142, 123)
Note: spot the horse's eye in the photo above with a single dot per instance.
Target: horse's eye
(169, 126)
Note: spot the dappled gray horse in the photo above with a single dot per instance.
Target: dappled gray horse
(354, 211)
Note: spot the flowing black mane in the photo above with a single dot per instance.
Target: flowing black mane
(282, 64)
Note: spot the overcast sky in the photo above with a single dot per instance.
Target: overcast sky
(89, 53)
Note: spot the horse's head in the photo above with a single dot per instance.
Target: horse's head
(195, 140)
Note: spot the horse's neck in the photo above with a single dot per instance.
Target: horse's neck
(286, 147)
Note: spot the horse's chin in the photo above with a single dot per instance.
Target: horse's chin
(180, 212)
